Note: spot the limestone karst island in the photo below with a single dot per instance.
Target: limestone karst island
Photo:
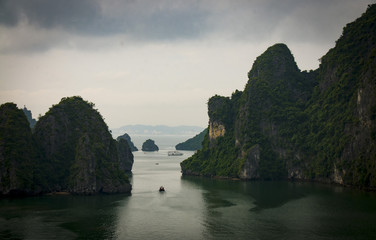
(69, 150)
(288, 124)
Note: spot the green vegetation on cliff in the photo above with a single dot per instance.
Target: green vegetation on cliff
(192, 144)
(17, 155)
(318, 125)
(341, 127)
(218, 157)
(77, 147)
(273, 97)
(71, 150)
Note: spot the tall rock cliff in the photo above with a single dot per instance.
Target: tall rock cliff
(17, 155)
(125, 155)
(317, 125)
(249, 133)
(77, 151)
(342, 114)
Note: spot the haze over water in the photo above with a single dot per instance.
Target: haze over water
(194, 208)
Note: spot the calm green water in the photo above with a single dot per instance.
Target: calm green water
(194, 208)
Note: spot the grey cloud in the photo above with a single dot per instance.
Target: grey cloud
(143, 19)
(161, 20)
(49, 14)
(139, 19)
(289, 20)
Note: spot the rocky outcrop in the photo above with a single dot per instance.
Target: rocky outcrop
(216, 130)
(149, 146)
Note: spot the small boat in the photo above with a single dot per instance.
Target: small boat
(161, 189)
(174, 153)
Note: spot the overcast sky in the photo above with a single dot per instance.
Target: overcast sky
(154, 62)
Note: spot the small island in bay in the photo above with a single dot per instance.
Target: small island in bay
(149, 146)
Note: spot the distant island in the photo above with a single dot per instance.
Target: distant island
(148, 130)
(131, 145)
(69, 150)
(194, 143)
(149, 146)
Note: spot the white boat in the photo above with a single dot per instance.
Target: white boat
(174, 153)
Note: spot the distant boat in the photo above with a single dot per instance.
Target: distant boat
(174, 153)
(161, 189)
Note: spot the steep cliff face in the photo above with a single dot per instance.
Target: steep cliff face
(216, 130)
(77, 152)
(220, 117)
(17, 156)
(126, 137)
(125, 155)
(270, 109)
(317, 125)
(343, 108)
(249, 133)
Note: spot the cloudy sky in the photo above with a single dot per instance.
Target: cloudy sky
(154, 62)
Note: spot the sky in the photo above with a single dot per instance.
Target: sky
(154, 62)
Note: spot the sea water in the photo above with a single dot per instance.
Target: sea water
(194, 208)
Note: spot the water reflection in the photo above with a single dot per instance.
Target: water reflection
(59, 217)
(284, 210)
(194, 208)
(224, 207)
(263, 195)
(149, 214)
